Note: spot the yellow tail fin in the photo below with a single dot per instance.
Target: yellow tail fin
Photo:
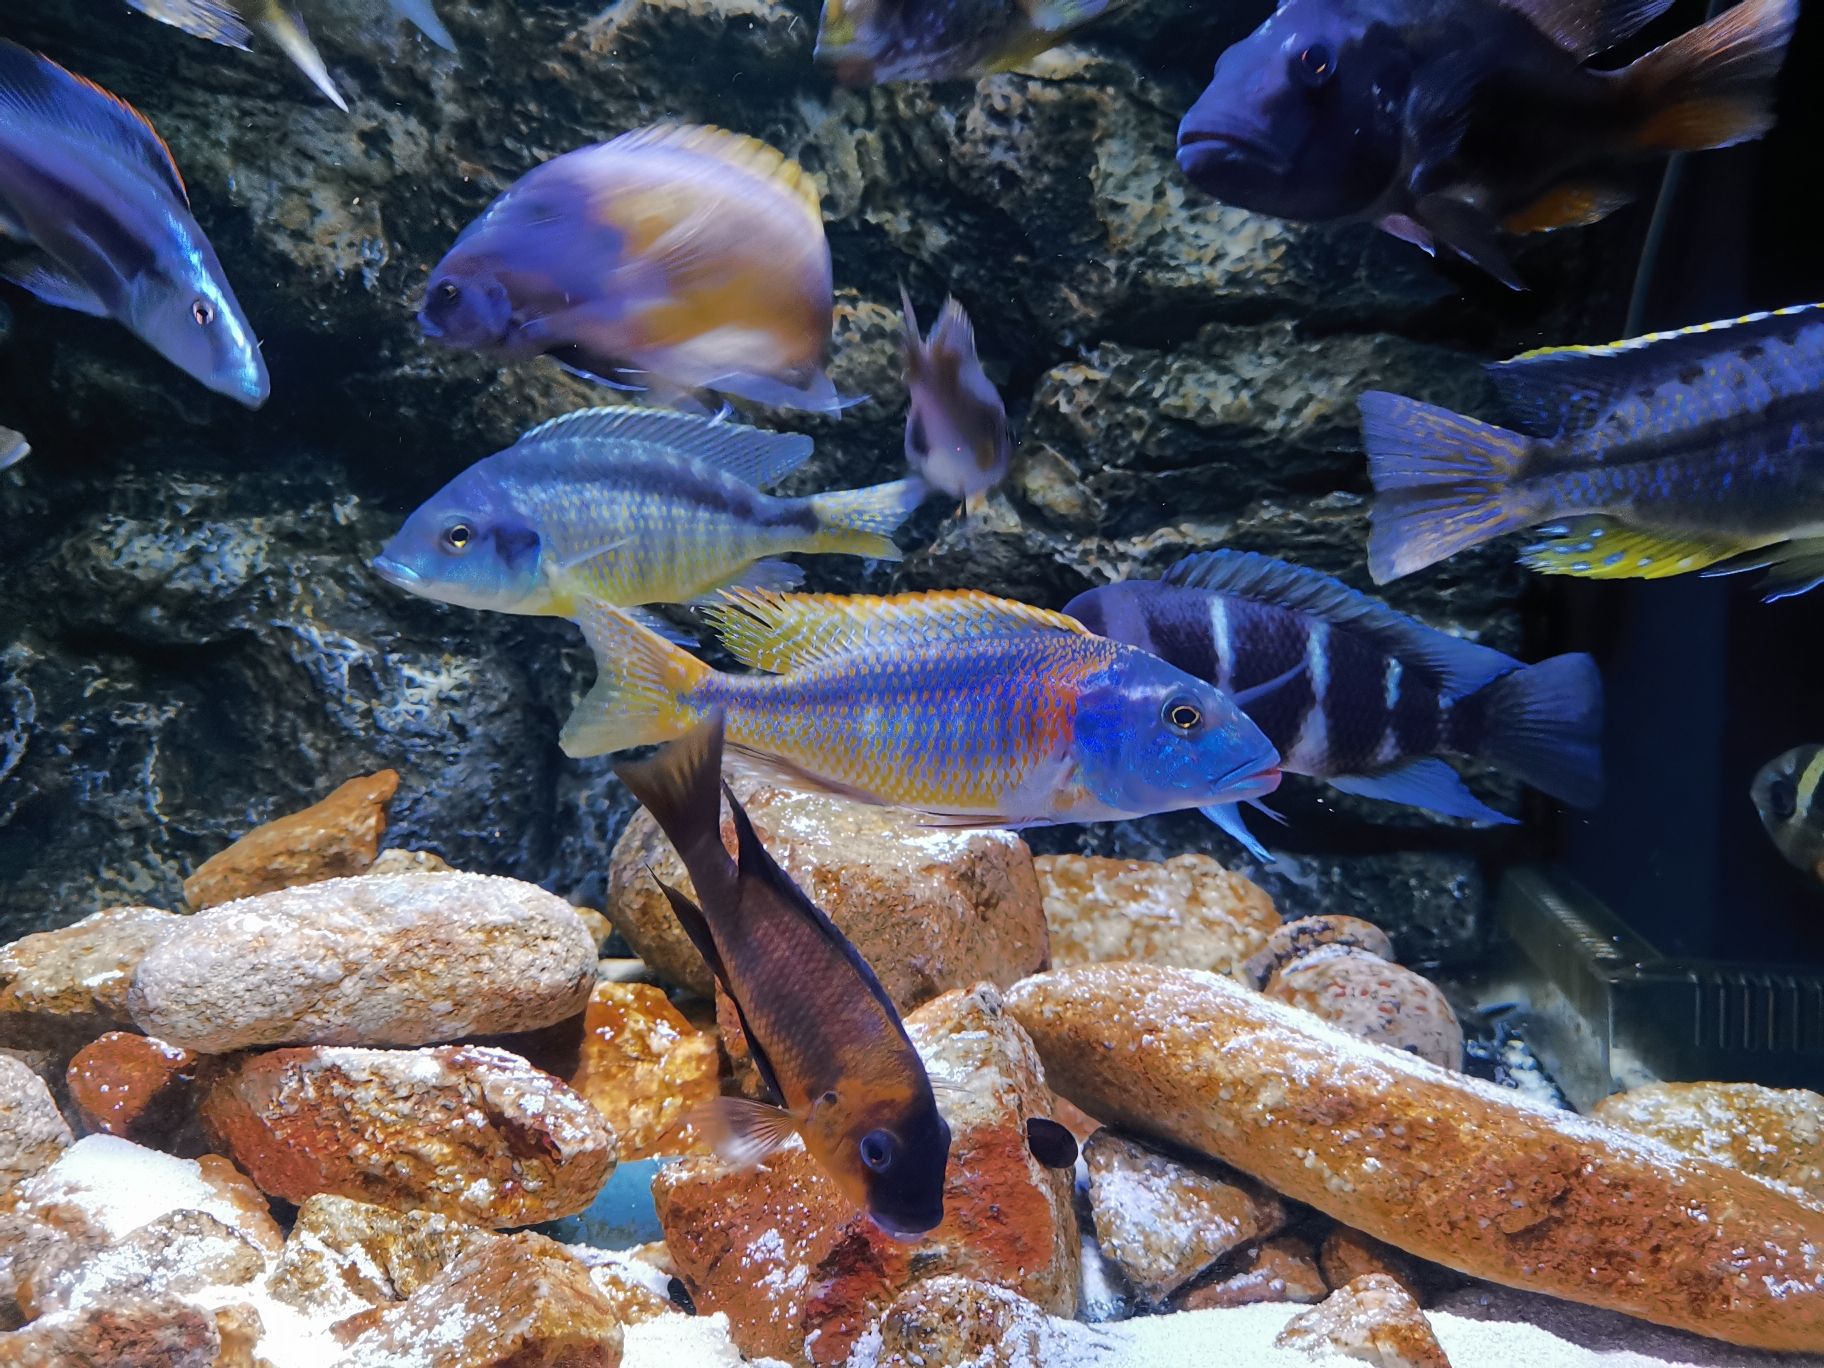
(642, 682)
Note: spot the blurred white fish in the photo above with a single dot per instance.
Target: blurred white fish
(13, 448)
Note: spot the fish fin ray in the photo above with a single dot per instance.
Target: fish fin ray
(953, 332)
(279, 22)
(1794, 568)
(661, 626)
(696, 927)
(214, 20)
(752, 455)
(742, 1131)
(737, 150)
(1715, 85)
(1426, 782)
(1543, 725)
(38, 89)
(815, 392)
(1599, 547)
(1584, 28)
(1468, 233)
(1228, 817)
(1575, 205)
(861, 522)
(762, 577)
(640, 680)
(46, 279)
(424, 18)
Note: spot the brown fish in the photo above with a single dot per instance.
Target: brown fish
(825, 1037)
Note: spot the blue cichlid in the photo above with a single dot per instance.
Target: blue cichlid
(875, 42)
(1451, 122)
(956, 425)
(1380, 695)
(1694, 450)
(94, 217)
(631, 506)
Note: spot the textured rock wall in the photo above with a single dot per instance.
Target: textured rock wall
(190, 640)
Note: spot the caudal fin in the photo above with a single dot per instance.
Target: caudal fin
(1713, 86)
(861, 522)
(681, 787)
(1442, 480)
(1543, 724)
(640, 683)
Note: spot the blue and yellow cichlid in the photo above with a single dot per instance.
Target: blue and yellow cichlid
(677, 258)
(1788, 794)
(836, 1061)
(974, 710)
(1692, 450)
(94, 217)
(876, 42)
(1380, 695)
(630, 506)
(957, 438)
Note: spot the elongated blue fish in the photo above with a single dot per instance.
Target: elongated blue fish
(1381, 695)
(94, 217)
(630, 506)
(1663, 454)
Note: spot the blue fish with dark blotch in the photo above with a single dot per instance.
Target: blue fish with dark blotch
(94, 217)
(1366, 699)
(1701, 449)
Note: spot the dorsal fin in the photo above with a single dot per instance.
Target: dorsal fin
(781, 632)
(736, 150)
(36, 89)
(1584, 28)
(1456, 666)
(953, 332)
(753, 455)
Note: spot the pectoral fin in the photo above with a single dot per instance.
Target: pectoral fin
(1470, 233)
(1228, 817)
(1425, 783)
(742, 1131)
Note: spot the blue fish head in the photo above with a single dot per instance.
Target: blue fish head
(188, 314)
(466, 303)
(468, 545)
(1303, 119)
(1151, 738)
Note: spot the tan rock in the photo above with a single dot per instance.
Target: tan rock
(954, 1320)
(336, 837)
(398, 861)
(1766, 1133)
(134, 1086)
(161, 1332)
(1373, 999)
(1282, 1269)
(60, 989)
(404, 959)
(1347, 1254)
(1298, 938)
(32, 1131)
(643, 1067)
(1164, 1222)
(1189, 912)
(1371, 1319)
(469, 1131)
(178, 1254)
(929, 909)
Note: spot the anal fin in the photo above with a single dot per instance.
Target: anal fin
(764, 576)
(48, 280)
(1426, 783)
(1793, 568)
(1576, 205)
(1599, 547)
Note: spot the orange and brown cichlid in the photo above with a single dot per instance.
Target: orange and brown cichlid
(824, 1035)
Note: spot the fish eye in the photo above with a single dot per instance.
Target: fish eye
(458, 537)
(878, 1149)
(1182, 715)
(1314, 66)
(203, 312)
(448, 292)
(1783, 797)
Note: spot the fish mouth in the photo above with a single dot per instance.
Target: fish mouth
(905, 1233)
(1199, 146)
(396, 573)
(1250, 783)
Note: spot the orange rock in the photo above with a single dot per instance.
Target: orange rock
(1282, 1269)
(1371, 1319)
(1770, 1133)
(1301, 936)
(1347, 1254)
(1371, 998)
(138, 1332)
(60, 989)
(336, 837)
(470, 1131)
(135, 1086)
(954, 1320)
(643, 1067)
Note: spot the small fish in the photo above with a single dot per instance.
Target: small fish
(692, 254)
(973, 710)
(956, 429)
(13, 448)
(1787, 795)
(631, 506)
(1694, 450)
(94, 217)
(1451, 122)
(826, 1041)
(1381, 696)
(875, 42)
(1051, 1144)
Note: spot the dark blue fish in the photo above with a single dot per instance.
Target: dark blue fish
(1380, 695)
(94, 217)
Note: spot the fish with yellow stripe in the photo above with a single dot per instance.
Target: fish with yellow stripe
(1701, 449)
(1789, 795)
(674, 258)
(974, 710)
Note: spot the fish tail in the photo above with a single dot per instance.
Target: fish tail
(1713, 86)
(681, 787)
(861, 522)
(1543, 724)
(1443, 481)
(279, 22)
(640, 690)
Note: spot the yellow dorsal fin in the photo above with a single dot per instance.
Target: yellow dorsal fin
(781, 632)
(737, 150)
(1600, 548)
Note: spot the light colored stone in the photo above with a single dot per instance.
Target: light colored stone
(1771, 1133)
(470, 1131)
(1372, 1320)
(929, 909)
(32, 1131)
(1164, 1221)
(178, 1254)
(1282, 1269)
(644, 1066)
(1188, 911)
(1299, 937)
(397, 861)
(404, 959)
(134, 1086)
(1373, 999)
(60, 989)
(328, 840)
(955, 1320)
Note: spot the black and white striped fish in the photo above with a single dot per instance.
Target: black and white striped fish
(1368, 698)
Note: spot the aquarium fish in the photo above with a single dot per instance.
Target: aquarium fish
(681, 258)
(1051, 1143)
(826, 1041)
(1701, 449)
(94, 217)
(1787, 795)
(956, 427)
(13, 447)
(875, 42)
(630, 506)
(1382, 695)
(973, 710)
(1451, 122)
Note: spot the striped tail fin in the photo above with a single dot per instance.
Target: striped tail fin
(1442, 481)
(641, 680)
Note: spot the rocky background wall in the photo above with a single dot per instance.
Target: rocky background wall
(190, 640)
